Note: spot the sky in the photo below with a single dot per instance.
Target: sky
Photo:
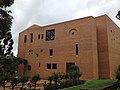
(46, 12)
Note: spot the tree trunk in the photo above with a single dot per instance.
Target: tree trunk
(13, 87)
(22, 86)
(4, 86)
(35, 85)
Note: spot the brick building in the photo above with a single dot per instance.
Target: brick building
(91, 43)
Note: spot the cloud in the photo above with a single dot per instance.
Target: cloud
(44, 12)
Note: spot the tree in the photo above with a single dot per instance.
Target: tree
(9, 64)
(6, 40)
(4, 79)
(23, 79)
(14, 80)
(118, 73)
(34, 80)
(50, 78)
(8, 67)
(118, 15)
(74, 72)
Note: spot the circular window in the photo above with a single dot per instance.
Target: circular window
(72, 32)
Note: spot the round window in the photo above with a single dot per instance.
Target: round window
(72, 32)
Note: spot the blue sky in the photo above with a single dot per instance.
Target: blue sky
(44, 12)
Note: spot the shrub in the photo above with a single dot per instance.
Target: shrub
(118, 73)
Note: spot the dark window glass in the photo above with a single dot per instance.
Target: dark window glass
(30, 52)
(42, 36)
(41, 50)
(37, 55)
(76, 49)
(38, 36)
(29, 67)
(31, 37)
(25, 38)
(73, 33)
(54, 66)
(48, 66)
(50, 35)
(39, 64)
(51, 52)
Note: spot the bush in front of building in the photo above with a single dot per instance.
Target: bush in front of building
(63, 80)
(118, 73)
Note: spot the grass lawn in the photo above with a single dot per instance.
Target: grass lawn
(93, 84)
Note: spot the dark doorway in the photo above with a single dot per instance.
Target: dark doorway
(69, 65)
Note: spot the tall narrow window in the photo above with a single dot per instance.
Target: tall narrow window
(51, 52)
(31, 37)
(39, 64)
(38, 36)
(25, 38)
(76, 49)
(42, 36)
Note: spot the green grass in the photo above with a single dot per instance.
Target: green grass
(93, 84)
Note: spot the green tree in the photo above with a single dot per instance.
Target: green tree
(9, 64)
(118, 15)
(55, 77)
(4, 79)
(6, 40)
(74, 72)
(34, 80)
(23, 79)
(50, 78)
(14, 80)
(8, 67)
(118, 73)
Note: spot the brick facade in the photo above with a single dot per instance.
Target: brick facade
(91, 43)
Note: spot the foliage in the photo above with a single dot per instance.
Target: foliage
(34, 80)
(50, 78)
(74, 73)
(14, 80)
(4, 79)
(118, 73)
(9, 64)
(6, 40)
(55, 77)
(23, 79)
(118, 15)
(62, 80)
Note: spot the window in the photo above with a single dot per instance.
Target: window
(31, 37)
(25, 38)
(48, 66)
(29, 67)
(51, 52)
(50, 35)
(76, 49)
(38, 36)
(41, 50)
(37, 55)
(73, 33)
(39, 64)
(30, 52)
(42, 36)
(54, 66)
